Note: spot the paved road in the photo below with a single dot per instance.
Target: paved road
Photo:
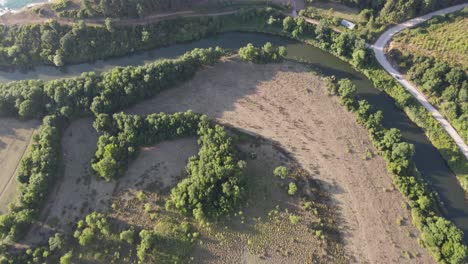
(378, 48)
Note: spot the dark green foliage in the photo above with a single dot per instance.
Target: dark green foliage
(125, 8)
(346, 90)
(36, 174)
(103, 93)
(56, 44)
(119, 146)
(267, 54)
(122, 87)
(444, 85)
(94, 228)
(214, 185)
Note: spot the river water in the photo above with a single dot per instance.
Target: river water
(428, 160)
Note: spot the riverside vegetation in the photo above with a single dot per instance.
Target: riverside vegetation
(441, 237)
(444, 82)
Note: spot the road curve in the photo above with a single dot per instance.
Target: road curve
(378, 48)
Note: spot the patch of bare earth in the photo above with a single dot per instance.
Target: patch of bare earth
(78, 192)
(15, 137)
(285, 103)
(263, 231)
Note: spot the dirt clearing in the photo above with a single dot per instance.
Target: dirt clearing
(15, 137)
(285, 103)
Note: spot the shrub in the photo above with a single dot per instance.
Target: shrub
(294, 219)
(292, 188)
(268, 53)
(127, 236)
(281, 172)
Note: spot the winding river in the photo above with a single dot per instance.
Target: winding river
(428, 160)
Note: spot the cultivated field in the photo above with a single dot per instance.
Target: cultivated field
(15, 137)
(298, 126)
(445, 40)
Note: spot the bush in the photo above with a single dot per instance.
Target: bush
(281, 172)
(268, 53)
(292, 188)
(67, 258)
(127, 236)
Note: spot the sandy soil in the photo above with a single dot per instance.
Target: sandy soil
(15, 137)
(286, 104)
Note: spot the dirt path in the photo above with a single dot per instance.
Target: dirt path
(15, 137)
(286, 104)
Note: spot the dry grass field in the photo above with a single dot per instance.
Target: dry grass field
(303, 128)
(15, 137)
(287, 104)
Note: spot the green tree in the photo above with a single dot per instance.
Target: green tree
(281, 172)
(67, 258)
(288, 24)
(292, 188)
(127, 236)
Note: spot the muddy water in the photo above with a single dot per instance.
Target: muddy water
(428, 160)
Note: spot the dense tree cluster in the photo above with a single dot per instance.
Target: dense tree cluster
(124, 8)
(346, 45)
(112, 90)
(214, 183)
(375, 16)
(445, 85)
(124, 134)
(57, 44)
(443, 239)
(35, 176)
(95, 227)
(267, 54)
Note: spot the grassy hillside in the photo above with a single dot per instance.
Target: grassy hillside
(443, 38)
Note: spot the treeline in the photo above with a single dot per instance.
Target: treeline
(441, 237)
(35, 176)
(105, 93)
(266, 54)
(446, 86)
(125, 8)
(55, 44)
(214, 184)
